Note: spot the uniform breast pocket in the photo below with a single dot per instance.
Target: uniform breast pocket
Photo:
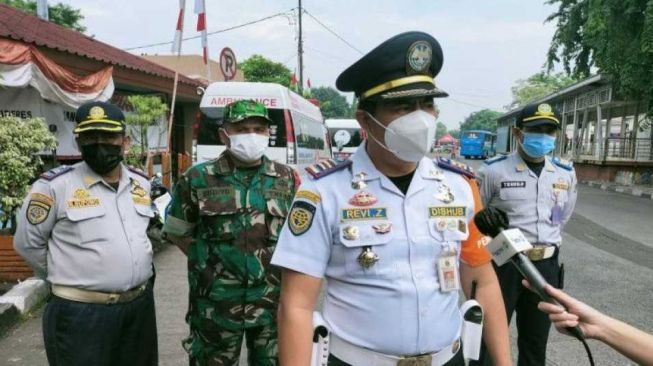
(365, 252)
(449, 228)
(560, 196)
(89, 224)
(218, 219)
(276, 214)
(145, 213)
(512, 194)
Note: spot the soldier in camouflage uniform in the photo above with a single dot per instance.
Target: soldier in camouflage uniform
(226, 215)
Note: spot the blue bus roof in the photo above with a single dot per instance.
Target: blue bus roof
(479, 131)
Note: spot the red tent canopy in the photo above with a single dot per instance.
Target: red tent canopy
(447, 140)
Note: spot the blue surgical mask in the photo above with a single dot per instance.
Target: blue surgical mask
(536, 145)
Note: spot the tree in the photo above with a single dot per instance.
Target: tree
(21, 141)
(616, 36)
(62, 14)
(261, 69)
(440, 130)
(332, 103)
(455, 133)
(538, 86)
(147, 110)
(485, 119)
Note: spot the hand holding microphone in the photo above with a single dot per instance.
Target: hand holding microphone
(507, 245)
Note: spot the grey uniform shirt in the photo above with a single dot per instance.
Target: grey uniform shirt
(75, 230)
(395, 306)
(508, 184)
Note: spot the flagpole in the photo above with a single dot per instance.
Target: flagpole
(180, 34)
(206, 40)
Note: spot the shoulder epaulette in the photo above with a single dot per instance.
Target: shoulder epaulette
(495, 159)
(326, 167)
(563, 163)
(138, 171)
(456, 167)
(55, 172)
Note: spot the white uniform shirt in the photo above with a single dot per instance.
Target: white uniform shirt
(395, 306)
(508, 184)
(91, 236)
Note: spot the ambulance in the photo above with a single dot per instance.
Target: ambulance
(298, 136)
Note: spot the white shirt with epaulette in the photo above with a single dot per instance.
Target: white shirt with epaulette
(508, 184)
(395, 306)
(75, 230)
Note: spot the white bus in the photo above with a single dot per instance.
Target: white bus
(346, 135)
(298, 135)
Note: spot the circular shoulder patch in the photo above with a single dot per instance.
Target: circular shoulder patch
(300, 217)
(37, 212)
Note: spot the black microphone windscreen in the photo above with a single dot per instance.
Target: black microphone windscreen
(490, 221)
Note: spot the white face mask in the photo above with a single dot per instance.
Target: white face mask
(248, 147)
(410, 136)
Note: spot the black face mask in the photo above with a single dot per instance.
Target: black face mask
(102, 158)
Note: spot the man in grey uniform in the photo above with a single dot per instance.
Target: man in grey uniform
(390, 230)
(538, 193)
(82, 228)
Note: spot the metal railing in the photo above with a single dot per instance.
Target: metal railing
(628, 148)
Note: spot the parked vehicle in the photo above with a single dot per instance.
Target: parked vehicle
(477, 144)
(298, 136)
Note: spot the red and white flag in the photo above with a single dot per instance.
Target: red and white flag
(293, 81)
(176, 43)
(200, 10)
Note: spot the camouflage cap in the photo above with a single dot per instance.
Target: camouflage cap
(240, 110)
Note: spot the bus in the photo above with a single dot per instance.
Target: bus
(298, 136)
(346, 135)
(477, 144)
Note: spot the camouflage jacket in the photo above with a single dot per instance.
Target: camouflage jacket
(234, 217)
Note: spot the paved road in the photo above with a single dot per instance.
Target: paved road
(613, 271)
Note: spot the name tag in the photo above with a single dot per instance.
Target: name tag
(227, 192)
(561, 186)
(447, 211)
(513, 184)
(364, 213)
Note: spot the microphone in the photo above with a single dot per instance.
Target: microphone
(507, 245)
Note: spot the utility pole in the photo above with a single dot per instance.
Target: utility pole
(300, 51)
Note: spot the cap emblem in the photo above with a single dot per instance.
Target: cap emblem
(544, 109)
(97, 112)
(419, 57)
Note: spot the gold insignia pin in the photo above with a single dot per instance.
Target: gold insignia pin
(351, 233)
(367, 258)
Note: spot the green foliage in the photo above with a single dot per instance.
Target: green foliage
(20, 141)
(616, 36)
(62, 14)
(455, 133)
(538, 86)
(146, 113)
(135, 157)
(485, 119)
(260, 69)
(332, 103)
(440, 130)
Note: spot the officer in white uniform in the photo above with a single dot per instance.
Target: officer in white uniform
(538, 193)
(390, 230)
(82, 228)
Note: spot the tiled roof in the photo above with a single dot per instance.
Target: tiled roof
(22, 26)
